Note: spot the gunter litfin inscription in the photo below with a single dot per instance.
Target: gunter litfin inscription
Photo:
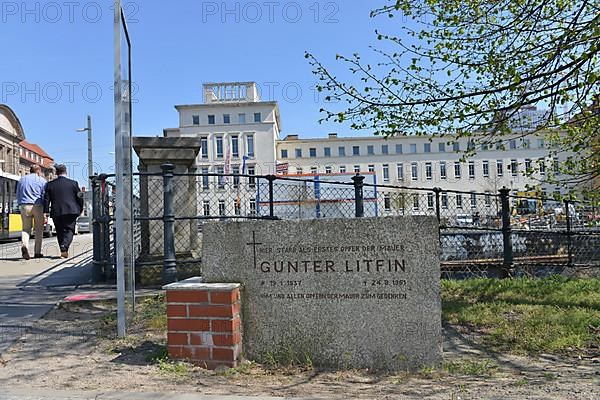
(352, 292)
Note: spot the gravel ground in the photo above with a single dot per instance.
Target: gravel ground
(69, 350)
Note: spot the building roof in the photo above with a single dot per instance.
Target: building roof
(13, 120)
(47, 160)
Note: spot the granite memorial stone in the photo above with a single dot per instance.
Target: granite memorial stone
(344, 293)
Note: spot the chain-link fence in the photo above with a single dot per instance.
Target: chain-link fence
(481, 234)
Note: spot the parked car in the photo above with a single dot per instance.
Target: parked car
(83, 225)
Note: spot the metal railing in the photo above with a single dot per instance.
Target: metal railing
(491, 234)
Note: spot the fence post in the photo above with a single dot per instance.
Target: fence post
(506, 231)
(438, 213)
(96, 231)
(569, 247)
(359, 206)
(271, 179)
(169, 272)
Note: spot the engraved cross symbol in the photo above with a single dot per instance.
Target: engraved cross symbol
(254, 244)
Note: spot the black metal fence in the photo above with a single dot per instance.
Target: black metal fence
(481, 234)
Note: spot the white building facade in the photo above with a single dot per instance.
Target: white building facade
(240, 134)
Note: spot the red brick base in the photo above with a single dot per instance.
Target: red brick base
(204, 325)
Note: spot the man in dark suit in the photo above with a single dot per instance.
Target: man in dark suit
(64, 201)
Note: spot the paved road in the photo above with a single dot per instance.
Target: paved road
(29, 289)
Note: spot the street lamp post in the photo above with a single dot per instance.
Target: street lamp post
(90, 164)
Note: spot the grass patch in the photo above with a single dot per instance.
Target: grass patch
(527, 316)
(471, 367)
(151, 313)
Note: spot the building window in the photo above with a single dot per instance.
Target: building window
(387, 202)
(250, 145)
(443, 173)
(206, 208)
(356, 150)
(416, 202)
(211, 119)
(370, 150)
(220, 177)
(473, 200)
(312, 152)
(241, 118)
(444, 200)
(499, 168)
(472, 169)
(284, 153)
(328, 170)
(427, 147)
(342, 151)
(205, 178)
(414, 172)
(556, 165)
(327, 151)
(398, 149)
(226, 118)
(219, 141)
(488, 199)
(257, 117)
(486, 169)
(237, 206)
(298, 153)
(386, 173)
(299, 171)
(384, 149)
(456, 146)
(528, 165)
(342, 169)
(413, 148)
(430, 201)
(459, 201)
(512, 144)
(542, 165)
(400, 171)
(221, 208)
(252, 206)
(236, 176)
(195, 120)
(251, 178)
(541, 144)
(371, 167)
(442, 147)
(514, 167)
(428, 171)
(204, 147)
(457, 169)
(235, 146)
(526, 143)
(356, 169)
(314, 170)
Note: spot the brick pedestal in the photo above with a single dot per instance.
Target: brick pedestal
(204, 322)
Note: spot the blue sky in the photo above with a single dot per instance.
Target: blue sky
(57, 64)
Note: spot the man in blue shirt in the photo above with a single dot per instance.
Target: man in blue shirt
(30, 195)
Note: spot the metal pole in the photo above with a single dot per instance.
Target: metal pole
(438, 213)
(359, 206)
(506, 230)
(569, 248)
(271, 179)
(90, 161)
(96, 231)
(169, 273)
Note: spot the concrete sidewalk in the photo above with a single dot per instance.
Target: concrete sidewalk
(24, 394)
(29, 289)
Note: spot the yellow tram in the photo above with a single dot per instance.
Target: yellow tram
(10, 219)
